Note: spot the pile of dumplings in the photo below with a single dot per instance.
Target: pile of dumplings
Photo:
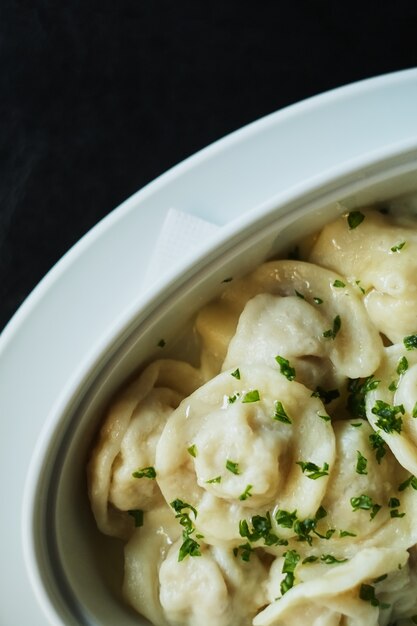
(275, 484)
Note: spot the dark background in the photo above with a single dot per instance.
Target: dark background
(98, 98)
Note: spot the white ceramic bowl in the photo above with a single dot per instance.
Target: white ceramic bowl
(77, 573)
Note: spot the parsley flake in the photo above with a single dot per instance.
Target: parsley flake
(402, 366)
(251, 396)
(326, 395)
(355, 218)
(291, 558)
(338, 284)
(299, 295)
(236, 374)
(361, 463)
(318, 300)
(218, 479)
(367, 593)
(365, 503)
(280, 413)
(410, 342)
(285, 518)
(378, 444)
(285, 367)
(192, 450)
(145, 472)
(388, 421)
(358, 388)
(332, 332)
(137, 515)
(346, 533)
(261, 529)
(161, 343)
(247, 493)
(313, 471)
(398, 247)
(329, 559)
(232, 467)
(411, 480)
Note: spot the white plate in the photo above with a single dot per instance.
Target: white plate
(100, 278)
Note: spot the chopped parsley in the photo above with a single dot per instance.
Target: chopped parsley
(358, 388)
(192, 450)
(324, 417)
(261, 529)
(161, 343)
(285, 367)
(145, 472)
(236, 374)
(357, 283)
(393, 502)
(367, 593)
(380, 578)
(247, 493)
(398, 247)
(189, 546)
(326, 395)
(318, 300)
(365, 503)
(393, 385)
(355, 218)
(356, 424)
(338, 284)
(346, 533)
(414, 411)
(137, 515)
(232, 467)
(361, 463)
(233, 398)
(228, 279)
(310, 559)
(251, 396)
(378, 444)
(329, 559)
(411, 480)
(291, 558)
(402, 366)
(313, 471)
(285, 518)
(246, 550)
(389, 420)
(410, 342)
(332, 332)
(396, 513)
(280, 413)
(299, 295)
(218, 479)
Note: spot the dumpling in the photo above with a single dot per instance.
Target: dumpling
(214, 589)
(391, 405)
(127, 442)
(335, 595)
(296, 310)
(257, 439)
(381, 254)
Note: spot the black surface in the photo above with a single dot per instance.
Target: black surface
(98, 98)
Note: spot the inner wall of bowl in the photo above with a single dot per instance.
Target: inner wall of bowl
(82, 571)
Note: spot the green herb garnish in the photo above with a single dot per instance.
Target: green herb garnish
(285, 518)
(402, 366)
(398, 247)
(291, 558)
(410, 342)
(247, 493)
(361, 463)
(161, 343)
(145, 472)
(378, 444)
(137, 515)
(192, 450)
(367, 593)
(285, 367)
(338, 283)
(251, 396)
(232, 467)
(332, 332)
(355, 218)
(411, 480)
(313, 471)
(358, 388)
(325, 395)
(280, 413)
(218, 479)
(389, 420)
(365, 503)
(318, 300)
(236, 374)
(330, 559)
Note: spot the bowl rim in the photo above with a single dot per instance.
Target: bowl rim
(394, 158)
